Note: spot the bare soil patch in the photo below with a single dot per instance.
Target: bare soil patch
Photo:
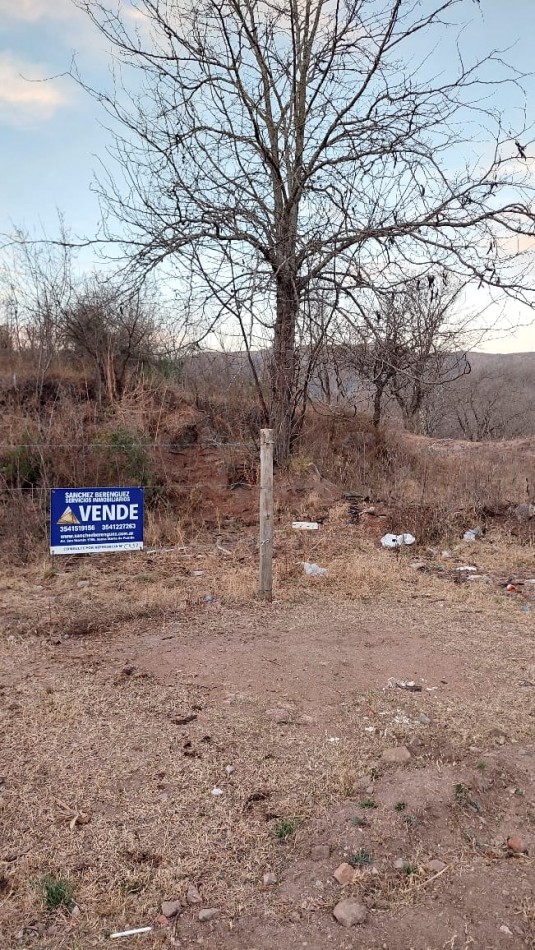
(128, 698)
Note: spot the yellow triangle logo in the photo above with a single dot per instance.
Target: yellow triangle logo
(68, 517)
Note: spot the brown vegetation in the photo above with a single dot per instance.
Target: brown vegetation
(196, 453)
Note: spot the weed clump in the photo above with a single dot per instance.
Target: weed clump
(56, 891)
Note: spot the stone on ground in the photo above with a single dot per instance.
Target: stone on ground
(344, 874)
(171, 908)
(397, 755)
(193, 896)
(348, 913)
(208, 914)
(517, 844)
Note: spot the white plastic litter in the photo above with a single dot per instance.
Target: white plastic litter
(397, 540)
(473, 534)
(130, 933)
(314, 570)
(466, 568)
(217, 791)
(305, 525)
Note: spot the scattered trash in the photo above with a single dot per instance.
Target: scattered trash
(314, 570)
(208, 598)
(409, 685)
(473, 534)
(131, 933)
(305, 525)
(397, 540)
(511, 587)
(465, 568)
(229, 769)
(217, 791)
(197, 573)
(333, 739)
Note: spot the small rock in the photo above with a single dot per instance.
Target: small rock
(424, 719)
(344, 874)
(278, 715)
(269, 878)
(82, 584)
(305, 721)
(161, 920)
(436, 866)
(217, 791)
(370, 790)
(400, 864)
(171, 908)
(348, 913)
(398, 755)
(524, 512)
(75, 912)
(517, 844)
(505, 930)
(193, 896)
(229, 769)
(320, 852)
(208, 914)
(295, 917)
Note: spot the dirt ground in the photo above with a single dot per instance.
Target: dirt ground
(161, 730)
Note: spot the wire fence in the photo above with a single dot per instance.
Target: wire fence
(172, 479)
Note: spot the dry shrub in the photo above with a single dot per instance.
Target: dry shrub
(174, 439)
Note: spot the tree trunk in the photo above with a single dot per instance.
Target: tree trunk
(377, 405)
(283, 370)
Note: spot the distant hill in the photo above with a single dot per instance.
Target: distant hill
(496, 400)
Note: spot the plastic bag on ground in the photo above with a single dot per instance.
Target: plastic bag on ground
(397, 540)
(314, 570)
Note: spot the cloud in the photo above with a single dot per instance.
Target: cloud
(33, 10)
(23, 101)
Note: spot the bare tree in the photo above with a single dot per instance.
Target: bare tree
(265, 147)
(37, 284)
(50, 312)
(120, 334)
(412, 345)
(488, 405)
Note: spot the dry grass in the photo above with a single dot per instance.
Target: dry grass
(81, 740)
(100, 786)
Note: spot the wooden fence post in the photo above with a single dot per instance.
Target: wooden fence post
(265, 586)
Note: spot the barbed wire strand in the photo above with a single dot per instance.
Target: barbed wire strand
(233, 486)
(211, 443)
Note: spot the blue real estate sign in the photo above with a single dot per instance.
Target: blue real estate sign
(96, 520)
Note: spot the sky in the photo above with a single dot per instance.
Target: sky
(52, 139)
